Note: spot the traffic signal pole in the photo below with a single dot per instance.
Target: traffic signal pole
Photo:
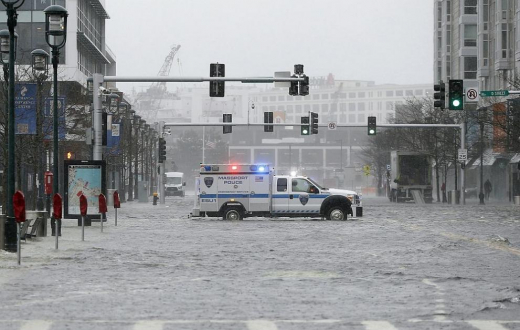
(459, 126)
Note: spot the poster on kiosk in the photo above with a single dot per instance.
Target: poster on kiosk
(83, 177)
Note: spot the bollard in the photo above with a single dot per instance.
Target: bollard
(83, 208)
(117, 204)
(102, 208)
(56, 214)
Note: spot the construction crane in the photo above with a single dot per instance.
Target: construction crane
(150, 101)
(159, 88)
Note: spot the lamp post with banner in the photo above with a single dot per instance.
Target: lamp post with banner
(8, 46)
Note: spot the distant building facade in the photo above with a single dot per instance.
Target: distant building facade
(478, 41)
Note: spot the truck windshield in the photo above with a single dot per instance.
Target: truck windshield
(314, 182)
(175, 180)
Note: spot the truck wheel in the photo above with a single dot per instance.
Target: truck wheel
(232, 214)
(337, 213)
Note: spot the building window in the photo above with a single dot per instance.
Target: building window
(470, 35)
(351, 119)
(485, 49)
(361, 117)
(343, 107)
(281, 98)
(352, 95)
(299, 109)
(361, 106)
(409, 92)
(315, 107)
(265, 98)
(315, 96)
(470, 7)
(361, 95)
(272, 98)
(504, 40)
(470, 67)
(289, 109)
(324, 96)
(399, 93)
(389, 106)
(389, 93)
(419, 92)
(325, 107)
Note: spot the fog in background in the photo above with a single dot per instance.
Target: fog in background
(387, 41)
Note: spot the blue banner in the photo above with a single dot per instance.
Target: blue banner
(114, 138)
(25, 109)
(48, 122)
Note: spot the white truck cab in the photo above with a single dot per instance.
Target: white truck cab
(174, 184)
(239, 191)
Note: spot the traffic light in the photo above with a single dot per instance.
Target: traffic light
(304, 86)
(293, 90)
(227, 118)
(70, 155)
(314, 122)
(440, 95)
(216, 88)
(162, 150)
(372, 126)
(268, 119)
(456, 94)
(305, 126)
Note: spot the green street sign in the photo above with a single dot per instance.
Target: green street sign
(494, 93)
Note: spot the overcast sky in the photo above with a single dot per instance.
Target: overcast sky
(387, 41)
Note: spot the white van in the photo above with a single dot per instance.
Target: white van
(174, 184)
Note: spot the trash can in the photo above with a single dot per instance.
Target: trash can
(455, 197)
(517, 200)
(110, 197)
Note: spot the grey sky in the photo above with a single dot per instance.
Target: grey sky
(388, 41)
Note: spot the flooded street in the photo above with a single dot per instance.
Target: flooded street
(400, 266)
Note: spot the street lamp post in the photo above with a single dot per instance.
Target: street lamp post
(10, 224)
(40, 69)
(56, 36)
(137, 122)
(131, 115)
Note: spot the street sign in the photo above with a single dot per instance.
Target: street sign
(472, 94)
(463, 155)
(332, 126)
(388, 168)
(494, 93)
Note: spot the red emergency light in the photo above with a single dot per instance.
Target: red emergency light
(234, 167)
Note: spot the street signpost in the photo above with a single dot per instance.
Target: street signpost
(494, 93)
(472, 94)
(463, 155)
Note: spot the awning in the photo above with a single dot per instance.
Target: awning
(89, 46)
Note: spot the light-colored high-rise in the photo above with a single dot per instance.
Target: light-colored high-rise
(478, 41)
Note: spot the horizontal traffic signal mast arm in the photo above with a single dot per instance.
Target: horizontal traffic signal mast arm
(201, 79)
(320, 125)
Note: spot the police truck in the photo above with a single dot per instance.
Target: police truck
(238, 191)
